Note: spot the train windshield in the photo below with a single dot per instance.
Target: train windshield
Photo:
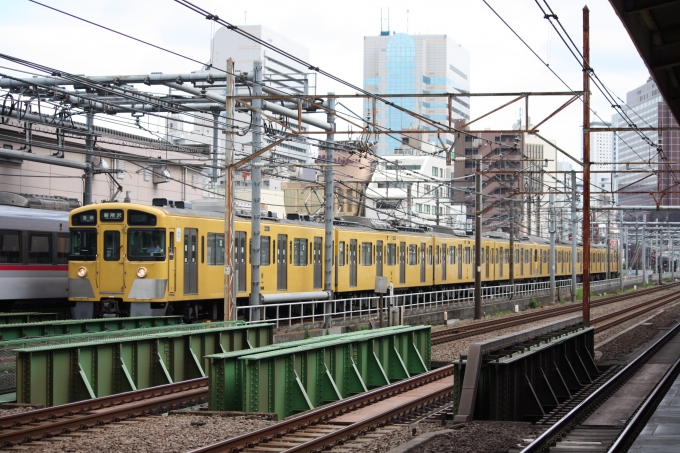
(83, 245)
(146, 244)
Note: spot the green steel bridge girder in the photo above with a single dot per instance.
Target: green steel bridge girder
(294, 379)
(67, 373)
(18, 318)
(44, 328)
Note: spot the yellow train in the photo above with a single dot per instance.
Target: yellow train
(130, 259)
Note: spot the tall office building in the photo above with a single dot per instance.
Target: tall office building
(401, 63)
(601, 152)
(646, 108)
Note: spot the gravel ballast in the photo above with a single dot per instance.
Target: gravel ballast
(171, 434)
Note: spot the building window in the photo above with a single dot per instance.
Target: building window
(120, 166)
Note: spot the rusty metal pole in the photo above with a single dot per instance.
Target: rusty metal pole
(229, 289)
(586, 166)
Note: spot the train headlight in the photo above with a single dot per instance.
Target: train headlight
(82, 272)
(141, 272)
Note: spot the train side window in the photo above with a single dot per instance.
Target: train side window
(341, 253)
(467, 255)
(429, 255)
(39, 248)
(507, 255)
(215, 249)
(366, 253)
(300, 252)
(391, 254)
(516, 261)
(202, 249)
(265, 250)
(412, 254)
(63, 247)
(10, 246)
(452, 254)
(111, 245)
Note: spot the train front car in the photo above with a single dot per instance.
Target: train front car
(121, 258)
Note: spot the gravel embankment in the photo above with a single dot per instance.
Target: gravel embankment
(15, 410)
(171, 434)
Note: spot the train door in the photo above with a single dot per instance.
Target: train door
(444, 257)
(501, 262)
(460, 262)
(240, 258)
(318, 269)
(422, 262)
(281, 263)
(379, 258)
(352, 262)
(190, 262)
(402, 262)
(112, 266)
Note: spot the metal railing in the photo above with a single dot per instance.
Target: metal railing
(361, 309)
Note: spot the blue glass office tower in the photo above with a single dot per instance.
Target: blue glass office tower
(425, 64)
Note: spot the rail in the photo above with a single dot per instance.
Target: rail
(361, 309)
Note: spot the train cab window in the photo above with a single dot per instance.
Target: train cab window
(111, 245)
(83, 244)
(216, 249)
(300, 252)
(366, 256)
(412, 254)
(265, 251)
(63, 247)
(341, 253)
(146, 245)
(391, 254)
(10, 246)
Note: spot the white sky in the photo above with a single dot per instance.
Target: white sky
(334, 31)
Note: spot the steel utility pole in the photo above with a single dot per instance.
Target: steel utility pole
(586, 165)
(608, 239)
(478, 237)
(574, 230)
(216, 117)
(551, 230)
(89, 146)
(256, 178)
(644, 256)
(230, 282)
(622, 236)
(329, 195)
(511, 252)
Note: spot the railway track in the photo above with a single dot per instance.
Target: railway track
(341, 423)
(42, 424)
(466, 331)
(594, 423)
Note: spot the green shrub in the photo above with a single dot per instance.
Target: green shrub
(307, 333)
(533, 303)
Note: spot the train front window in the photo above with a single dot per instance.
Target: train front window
(146, 245)
(83, 245)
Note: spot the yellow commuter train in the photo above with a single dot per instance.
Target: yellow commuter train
(131, 259)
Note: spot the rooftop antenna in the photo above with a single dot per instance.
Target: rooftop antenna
(384, 32)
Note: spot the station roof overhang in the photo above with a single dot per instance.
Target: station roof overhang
(654, 27)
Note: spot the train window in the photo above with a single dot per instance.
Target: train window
(63, 247)
(391, 254)
(429, 255)
(366, 253)
(516, 261)
(84, 218)
(526, 256)
(39, 248)
(290, 252)
(452, 255)
(507, 255)
(300, 252)
(341, 253)
(10, 246)
(215, 249)
(111, 245)
(265, 250)
(412, 254)
(146, 245)
(141, 218)
(83, 244)
(436, 255)
(467, 255)
(202, 249)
